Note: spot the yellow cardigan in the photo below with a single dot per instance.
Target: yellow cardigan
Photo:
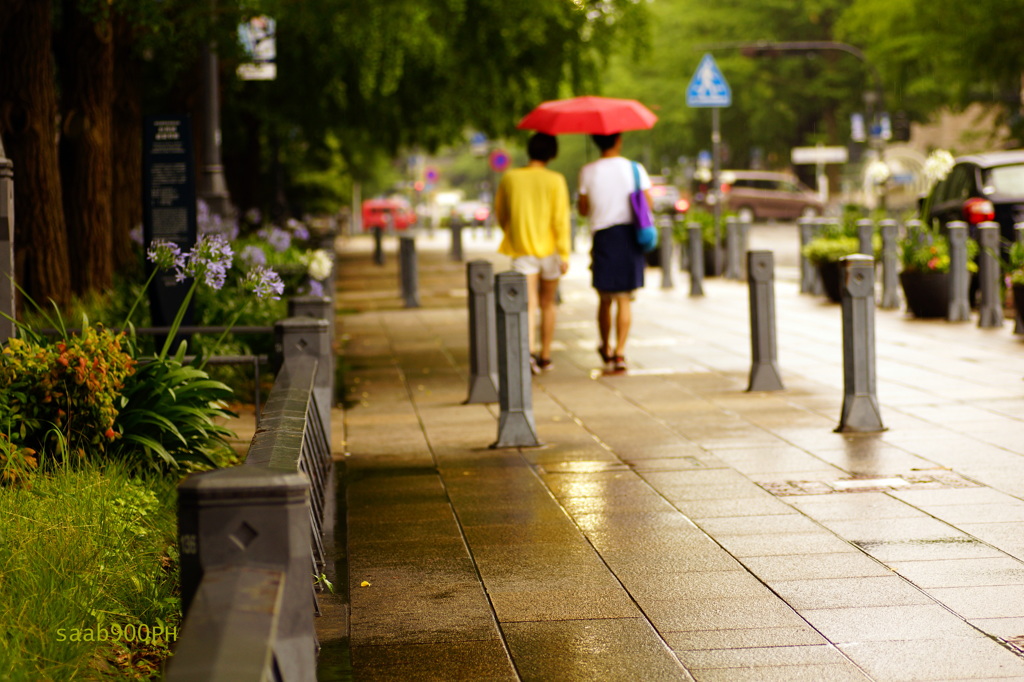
(532, 208)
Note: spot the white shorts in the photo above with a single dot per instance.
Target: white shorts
(549, 267)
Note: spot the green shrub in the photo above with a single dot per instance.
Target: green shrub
(63, 396)
(830, 249)
(86, 549)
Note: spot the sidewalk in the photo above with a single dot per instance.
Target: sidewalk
(674, 526)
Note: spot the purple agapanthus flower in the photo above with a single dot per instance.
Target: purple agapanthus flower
(299, 229)
(264, 282)
(253, 255)
(165, 255)
(315, 287)
(136, 234)
(276, 237)
(210, 259)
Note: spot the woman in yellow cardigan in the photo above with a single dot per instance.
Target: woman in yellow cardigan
(532, 208)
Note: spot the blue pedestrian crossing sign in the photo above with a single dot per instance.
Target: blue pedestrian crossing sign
(708, 87)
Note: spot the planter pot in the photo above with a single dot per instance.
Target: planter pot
(709, 262)
(831, 272)
(927, 293)
(1018, 300)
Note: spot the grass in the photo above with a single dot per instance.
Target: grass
(86, 551)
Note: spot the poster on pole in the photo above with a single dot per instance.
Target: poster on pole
(259, 40)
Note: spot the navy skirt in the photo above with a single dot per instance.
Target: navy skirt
(617, 261)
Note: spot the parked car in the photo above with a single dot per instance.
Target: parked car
(380, 212)
(764, 195)
(978, 188)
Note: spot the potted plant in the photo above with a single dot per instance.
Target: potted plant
(824, 251)
(707, 231)
(924, 255)
(1015, 276)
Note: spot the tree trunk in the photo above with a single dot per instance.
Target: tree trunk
(28, 111)
(87, 77)
(126, 145)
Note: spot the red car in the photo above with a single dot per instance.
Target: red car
(381, 212)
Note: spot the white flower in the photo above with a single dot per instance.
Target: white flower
(319, 264)
(878, 172)
(937, 165)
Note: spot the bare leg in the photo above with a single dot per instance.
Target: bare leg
(623, 321)
(604, 321)
(548, 313)
(531, 310)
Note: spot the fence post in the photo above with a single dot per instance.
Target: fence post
(455, 224)
(1018, 326)
(483, 334)
(764, 370)
(890, 265)
(408, 271)
(378, 245)
(860, 404)
(695, 246)
(7, 328)
(246, 517)
(990, 310)
(665, 249)
(308, 336)
(732, 249)
(516, 427)
(959, 280)
(865, 232)
(808, 273)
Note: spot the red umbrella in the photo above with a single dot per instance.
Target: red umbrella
(592, 115)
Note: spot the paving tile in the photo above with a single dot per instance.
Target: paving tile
(936, 659)
(715, 614)
(962, 572)
(914, 529)
(998, 601)
(820, 542)
(465, 660)
(773, 524)
(692, 585)
(568, 603)
(853, 507)
(887, 623)
(929, 550)
(848, 592)
(814, 566)
(707, 509)
(611, 649)
(785, 673)
(820, 654)
(744, 638)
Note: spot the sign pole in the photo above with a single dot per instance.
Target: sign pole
(716, 181)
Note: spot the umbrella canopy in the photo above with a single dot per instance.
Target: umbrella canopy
(591, 115)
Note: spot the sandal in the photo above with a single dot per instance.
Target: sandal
(619, 363)
(543, 364)
(605, 357)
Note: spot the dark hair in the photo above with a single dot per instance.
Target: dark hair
(542, 147)
(605, 142)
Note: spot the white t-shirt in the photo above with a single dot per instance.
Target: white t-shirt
(607, 183)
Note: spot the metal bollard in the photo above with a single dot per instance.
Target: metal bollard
(665, 249)
(865, 232)
(684, 255)
(959, 280)
(7, 328)
(695, 246)
(455, 253)
(1018, 325)
(860, 404)
(732, 249)
(483, 333)
(764, 370)
(808, 272)
(246, 518)
(990, 310)
(378, 245)
(890, 266)
(408, 271)
(744, 245)
(516, 427)
(574, 226)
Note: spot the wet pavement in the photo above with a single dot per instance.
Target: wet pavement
(673, 526)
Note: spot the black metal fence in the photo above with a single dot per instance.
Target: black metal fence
(252, 538)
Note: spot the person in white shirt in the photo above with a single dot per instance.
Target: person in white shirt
(617, 261)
